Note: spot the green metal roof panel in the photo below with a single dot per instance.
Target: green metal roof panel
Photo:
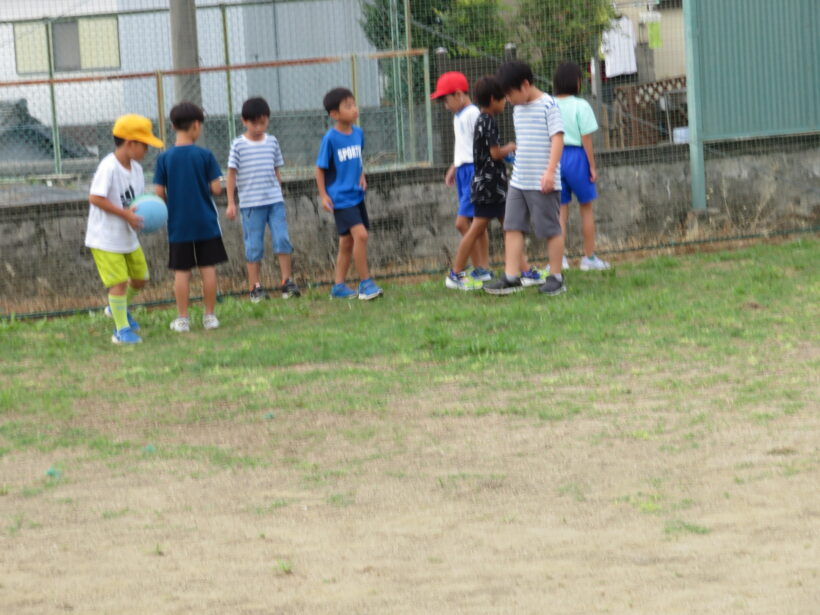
(759, 66)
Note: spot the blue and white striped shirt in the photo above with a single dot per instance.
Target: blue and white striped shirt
(255, 162)
(535, 124)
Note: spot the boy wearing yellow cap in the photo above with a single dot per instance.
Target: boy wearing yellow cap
(111, 231)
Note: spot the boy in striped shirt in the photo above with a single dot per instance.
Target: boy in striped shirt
(253, 168)
(533, 195)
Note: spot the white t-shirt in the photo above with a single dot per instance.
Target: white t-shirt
(535, 125)
(464, 126)
(119, 185)
(618, 46)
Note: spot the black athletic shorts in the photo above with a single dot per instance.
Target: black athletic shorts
(186, 255)
(349, 217)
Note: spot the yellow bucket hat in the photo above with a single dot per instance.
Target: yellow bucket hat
(134, 127)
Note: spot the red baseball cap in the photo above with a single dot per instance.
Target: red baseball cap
(450, 83)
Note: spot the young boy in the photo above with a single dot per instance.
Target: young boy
(341, 182)
(453, 90)
(489, 186)
(111, 224)
(578, 173)
(536, 179)
(253, 166)
(187, 176)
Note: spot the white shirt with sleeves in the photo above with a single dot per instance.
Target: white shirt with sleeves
(618, 46)
(255, 163)
(464, 126)
(535, 125)
(119, 185)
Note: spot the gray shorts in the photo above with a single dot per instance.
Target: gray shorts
(542, 209)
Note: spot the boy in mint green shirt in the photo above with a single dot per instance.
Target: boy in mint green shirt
(578, 172)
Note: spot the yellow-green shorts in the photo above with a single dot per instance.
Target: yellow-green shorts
(118, 268)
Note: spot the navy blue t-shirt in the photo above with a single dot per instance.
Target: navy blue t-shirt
(187, 171)
(341, 157)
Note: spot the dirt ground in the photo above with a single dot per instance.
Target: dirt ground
(421, 511)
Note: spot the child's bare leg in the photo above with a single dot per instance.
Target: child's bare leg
(118, 289)
(360, 236)
(513, 249)
(481, 251)
(253, 274)
(343, 260)
(564, 218)
(468, 241)
(463, 224)
(182, 283)
(285, 266)
(555, 249)
(208, 275)
(588, 228)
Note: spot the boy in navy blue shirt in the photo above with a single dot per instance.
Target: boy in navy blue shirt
(341, 182)
(187, 176)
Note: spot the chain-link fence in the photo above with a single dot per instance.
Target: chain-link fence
(70, 68)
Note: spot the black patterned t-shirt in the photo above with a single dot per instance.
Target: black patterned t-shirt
(490, 180)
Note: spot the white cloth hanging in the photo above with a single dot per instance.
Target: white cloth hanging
(618, 47)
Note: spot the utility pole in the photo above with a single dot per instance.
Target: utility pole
(185, 50)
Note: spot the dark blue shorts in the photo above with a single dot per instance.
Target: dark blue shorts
(464, 181)
(575, 176)
(349, 217)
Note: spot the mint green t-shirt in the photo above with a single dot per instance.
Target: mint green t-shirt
(579, 119)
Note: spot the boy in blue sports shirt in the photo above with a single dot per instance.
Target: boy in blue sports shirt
(253, 166)
(341, 182)
(187, 177)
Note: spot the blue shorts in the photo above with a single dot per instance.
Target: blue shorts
(575, 176)
(464, 181)
(254, 220)
(348, 217)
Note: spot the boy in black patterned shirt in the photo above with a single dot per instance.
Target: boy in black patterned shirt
(489, 187)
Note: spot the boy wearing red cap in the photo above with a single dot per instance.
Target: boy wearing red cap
(112, 225)
(452, 88)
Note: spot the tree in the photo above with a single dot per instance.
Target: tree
(549, 32)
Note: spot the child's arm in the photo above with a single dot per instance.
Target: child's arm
(230, 188)
(586, 141)
(363, 182)
(160, 191)
(216, 186)
(499, 153)
(327, 203)
(557, 148)
(450, 176)
(126, 213)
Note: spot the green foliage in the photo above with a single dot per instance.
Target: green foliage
(549, 32)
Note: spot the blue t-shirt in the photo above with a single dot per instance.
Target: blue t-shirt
(186, 172)
(341, 157)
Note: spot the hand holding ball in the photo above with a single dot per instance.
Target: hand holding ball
(152, 210)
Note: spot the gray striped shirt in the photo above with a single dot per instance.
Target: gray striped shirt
(535, 124)
(255, 162)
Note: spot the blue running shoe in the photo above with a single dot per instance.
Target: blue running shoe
(125, 336)
(533, 277)
(481, 274)
(368, 290)
(342, 291)
(133, 324)
(461, 281)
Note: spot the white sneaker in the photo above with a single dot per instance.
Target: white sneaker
(181, 325)
(593, 263)
(210, 321)
(564, 266)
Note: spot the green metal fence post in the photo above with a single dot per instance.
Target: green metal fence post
(428, 108)
(55, 129)
(227, 54)
(692, 40)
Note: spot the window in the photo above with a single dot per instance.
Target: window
(87, 43)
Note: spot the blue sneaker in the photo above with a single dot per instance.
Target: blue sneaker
(133, 324)
(368, 290)
(481, 274)
(125, 336)
(342, 291)
(461, 281)
(533, 277)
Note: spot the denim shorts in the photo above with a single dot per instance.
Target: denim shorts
(254, 220)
